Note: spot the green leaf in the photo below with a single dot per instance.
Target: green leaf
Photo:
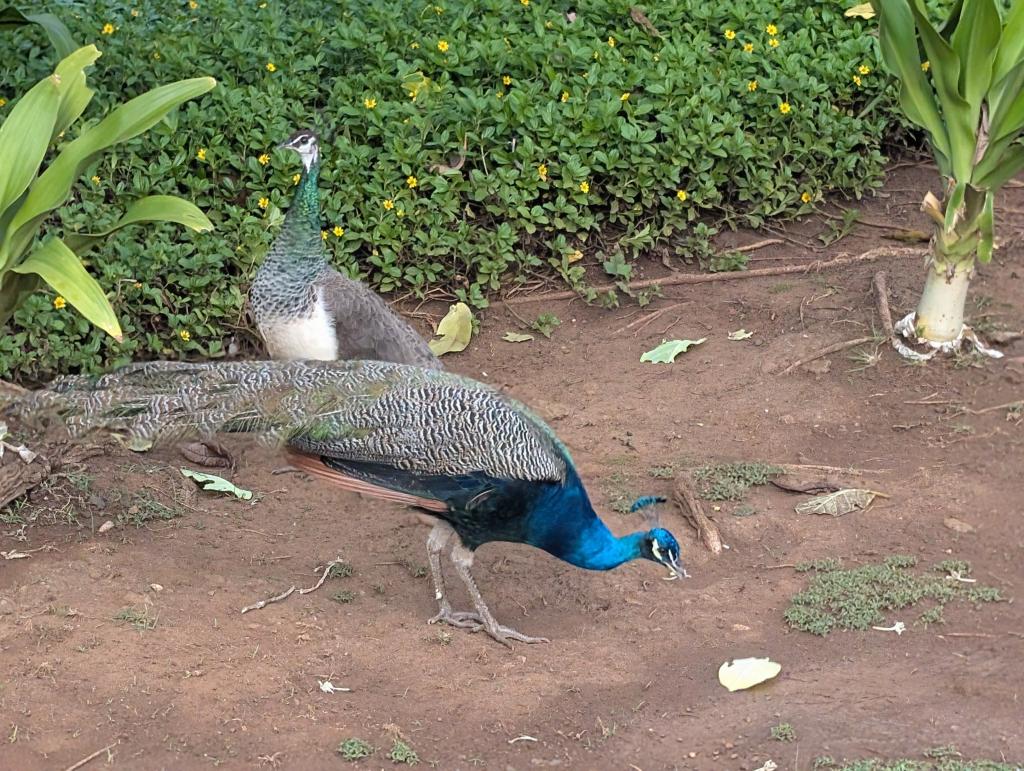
(24, 137)
(124, 122)
(216, 484)
(1011, 46)
(1007, 118)
(666, 352)
(60, 36)
(60, 267)
(454, 331)
(975, 42)
(1010, 165)
(953, 204)
(898, 42)
(154, 208)
(986, 229)
(74, 94)
(516, 337)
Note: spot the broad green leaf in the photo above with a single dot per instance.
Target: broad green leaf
(898, 42)
(975, 42)
(1011, 46)
(991, 160)
(24, 137)
(216, 484)
(740, 674)
(74, 94)
(1009, 166)
(953, 204)
(155, 208)
(59, 35)
(60, 267)
(516, 337)
(666, 352)
(986, 229)
(124, 122)
(454, 331)
(861, 11)
(945, 71)
(1007, 117)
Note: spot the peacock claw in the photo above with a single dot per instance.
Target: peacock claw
(466, 619)
(461, 619)
(505, 635)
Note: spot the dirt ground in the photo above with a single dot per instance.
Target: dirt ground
(629, 679)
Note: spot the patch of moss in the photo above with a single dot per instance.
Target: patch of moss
(858, 598)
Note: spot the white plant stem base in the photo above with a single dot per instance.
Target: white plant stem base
(905, 328)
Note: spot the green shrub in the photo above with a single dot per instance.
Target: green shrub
(569, 129)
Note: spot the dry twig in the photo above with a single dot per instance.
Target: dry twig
(323, 576)
(686, 499)
(264, 603)
(835, 347)
(93, 756)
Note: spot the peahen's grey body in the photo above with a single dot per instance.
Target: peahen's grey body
(305, 309)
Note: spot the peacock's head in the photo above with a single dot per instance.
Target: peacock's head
(661, 546)
(305, 144)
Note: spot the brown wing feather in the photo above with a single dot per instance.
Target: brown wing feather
(316, 467)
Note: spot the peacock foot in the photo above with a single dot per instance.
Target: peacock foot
(474, 622)
(461, 619)
(505, 635)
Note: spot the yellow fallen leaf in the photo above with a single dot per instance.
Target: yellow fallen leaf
(454, 331)
(746, 673)
(862, 11)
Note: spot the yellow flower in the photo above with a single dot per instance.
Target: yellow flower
(925, 65)
(135, 13)
(201, 154)
(748, 48)
(185, 335)
(774, 42)
(338, 231)
(681, 195)
(752, 86)
(856, 79)
(584, 186)
(501, 94)
(864, 70)
(805, 197)
(2, 101)
(771, 29)
(624, 97)
(193, 4)
(263, 159)
(411, 181)
(611, 41)
(59, 302)
(108, 29)
(388, 204)
(271, 67)
(323, 235)
(95, 179)
(414, 45)
(442, 46)
(507, 80)
(549, 24)
(263, 203)
(296, 178)
(438, 10)
(542, 172)
(137, 285)
(565, 97)
(524, 2)
(400, 212)
(784, 108)
(369, 103)
(730, 34)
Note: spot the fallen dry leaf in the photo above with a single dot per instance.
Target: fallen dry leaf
(740, 674)
(958, 525)
(838, 503)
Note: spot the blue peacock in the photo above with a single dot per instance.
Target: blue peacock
(477, 462)
(304, 309)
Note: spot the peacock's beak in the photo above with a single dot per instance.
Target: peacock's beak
(675, 570)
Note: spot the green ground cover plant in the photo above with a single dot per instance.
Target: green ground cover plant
(467, 146)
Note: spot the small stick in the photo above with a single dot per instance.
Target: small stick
(850, 471)
(264, 603)
(646, 319)
(756, 245)
(95, 755)
(1015, 403)
(323, 576)
(703, 278)
(826, 351)
(882, 302)
(687, 501)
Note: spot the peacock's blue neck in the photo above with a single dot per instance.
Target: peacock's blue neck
(563, 523)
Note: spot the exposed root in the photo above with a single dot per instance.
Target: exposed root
(264, 603)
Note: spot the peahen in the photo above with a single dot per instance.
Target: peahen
(480, 463)
(304, 309)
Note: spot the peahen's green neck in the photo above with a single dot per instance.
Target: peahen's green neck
(306, 203)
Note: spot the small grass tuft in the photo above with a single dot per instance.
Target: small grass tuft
(340, 570)
(857, 598)
(730, 481)
(403, 753)
(140, 619)
(145, 509)
(343, 597)
(662, 472)
(783, 732)
(354, 749)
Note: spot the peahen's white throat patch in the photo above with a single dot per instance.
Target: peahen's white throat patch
(312, 337)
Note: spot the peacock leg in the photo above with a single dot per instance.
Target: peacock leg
(436, 541)
(462, 558)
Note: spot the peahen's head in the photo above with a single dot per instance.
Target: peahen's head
(305, 144)
(659, 545)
